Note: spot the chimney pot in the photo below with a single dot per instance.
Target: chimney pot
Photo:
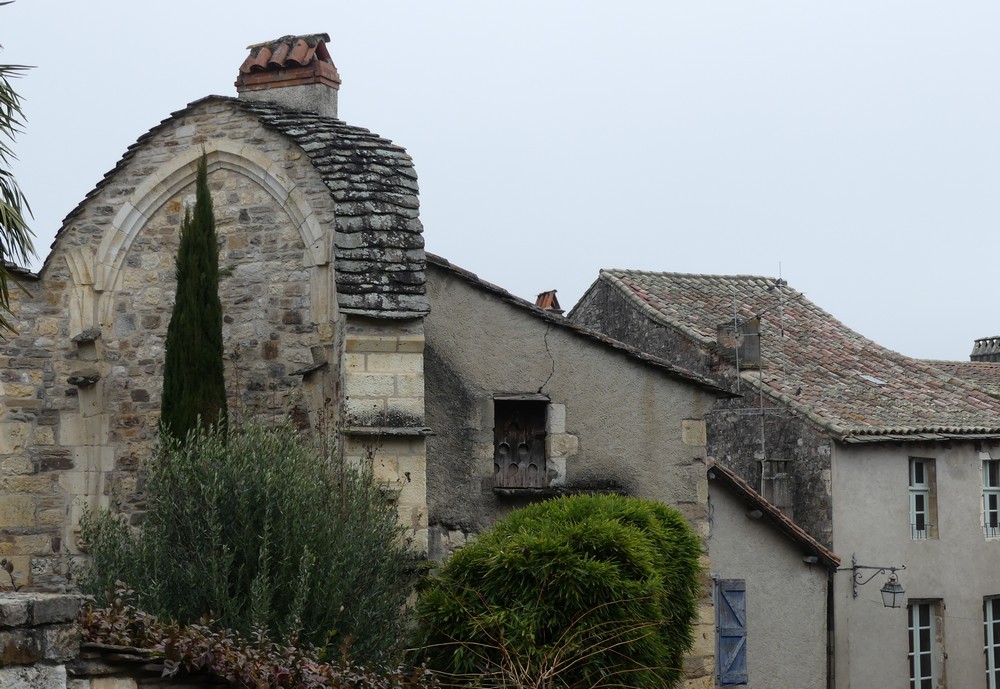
(295, 72)
(548, 301)
(986, 349)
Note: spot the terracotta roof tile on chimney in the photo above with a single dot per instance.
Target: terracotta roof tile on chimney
(295, 72)
(548, 301)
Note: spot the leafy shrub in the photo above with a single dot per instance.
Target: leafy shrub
(261, 531)
(204, 648)
(582, 591)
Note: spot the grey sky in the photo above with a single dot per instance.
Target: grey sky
(855, 144)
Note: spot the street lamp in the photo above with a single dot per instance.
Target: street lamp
(892, 591)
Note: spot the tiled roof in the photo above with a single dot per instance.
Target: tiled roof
(548, 301)
(854, 388)
(985, 374)
(288, 61)
(379, 244)
(561, 322)
(776, 517)
(287, 51)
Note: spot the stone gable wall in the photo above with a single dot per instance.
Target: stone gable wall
(81, 381)
(734, 425)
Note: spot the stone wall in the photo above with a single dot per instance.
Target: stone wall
(80, 382)
(734, 425)
(734, 439)
(383, 410)
(40, 649)
(38, 637)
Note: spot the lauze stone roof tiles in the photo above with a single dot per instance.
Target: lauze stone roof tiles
(852, 387)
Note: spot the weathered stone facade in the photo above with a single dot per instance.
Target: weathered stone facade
(323, 286)
(736, 426)
(38, 637)
(321, 259)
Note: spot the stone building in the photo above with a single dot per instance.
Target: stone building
(327, 297)
(323, 287)
(892, 460)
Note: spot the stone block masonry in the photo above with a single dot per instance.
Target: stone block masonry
(40, 649)
(38, 635)
(80, 383)
(383, 411)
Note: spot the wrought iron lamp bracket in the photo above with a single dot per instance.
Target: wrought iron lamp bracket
(858, 577)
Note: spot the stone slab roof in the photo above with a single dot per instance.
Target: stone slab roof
(853, 388)
(379, 244)
(561, 322)
(778, 519)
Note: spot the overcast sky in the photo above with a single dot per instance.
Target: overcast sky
(852, 145)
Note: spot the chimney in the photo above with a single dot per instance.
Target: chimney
(295, 72)
(986, 349)
(548, 301)
(740, 343)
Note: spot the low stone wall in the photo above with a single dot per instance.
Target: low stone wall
(38, 636)
(40, 649)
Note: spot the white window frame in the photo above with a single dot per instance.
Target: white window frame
(917, 651)
(991, 635)
(991, 498)
(921, 492)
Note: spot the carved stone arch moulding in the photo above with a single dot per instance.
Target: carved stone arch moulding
(180, 171)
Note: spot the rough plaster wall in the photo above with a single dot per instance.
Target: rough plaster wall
(786, 598)
(734, 436)
(871, 508)
(60, 443)
(625, 425)
(626, 416)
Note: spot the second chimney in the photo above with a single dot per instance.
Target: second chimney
(295, 72)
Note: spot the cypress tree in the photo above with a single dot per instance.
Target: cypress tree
(194, 389)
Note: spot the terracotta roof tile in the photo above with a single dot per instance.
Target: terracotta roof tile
(548, 301)
(287, 51)
(983, 374)
(854, 388)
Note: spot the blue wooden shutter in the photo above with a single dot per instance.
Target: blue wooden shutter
(731, 616)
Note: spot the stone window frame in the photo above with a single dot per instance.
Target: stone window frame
(922, 498)
(559, 445)
(929, 646)
(991, 640)
(991, 498)
(533, 409)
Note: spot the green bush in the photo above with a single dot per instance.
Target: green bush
(583, 591)
(261, 531)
